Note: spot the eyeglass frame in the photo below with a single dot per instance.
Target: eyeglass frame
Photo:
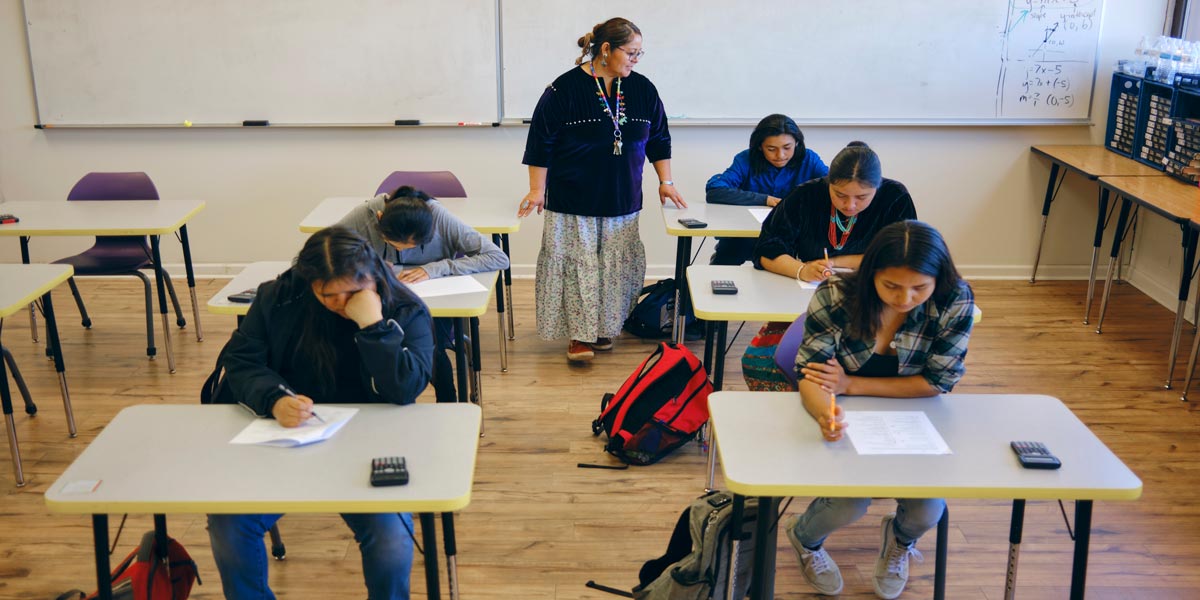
(637, 56)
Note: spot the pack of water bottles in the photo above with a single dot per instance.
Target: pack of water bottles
(1161, 58)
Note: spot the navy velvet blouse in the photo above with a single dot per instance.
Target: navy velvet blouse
(573, 138)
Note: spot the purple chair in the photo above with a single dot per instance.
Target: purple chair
(439, 184)
(789, 346)
(118, 254)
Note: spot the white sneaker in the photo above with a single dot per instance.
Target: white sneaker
(817, 566)
(891, 567)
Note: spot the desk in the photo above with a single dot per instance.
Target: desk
(978, 428)
(1174, 201)
(23, 285)
(495, 216)
(439, 442)
(724, 220)
(1092, 162)
(463, 308)
(115, 217)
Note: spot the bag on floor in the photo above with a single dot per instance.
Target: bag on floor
(659, 408)
(144, 576)
(653, 315)
(696, 563)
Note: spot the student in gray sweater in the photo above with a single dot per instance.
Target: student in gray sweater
(423, 241)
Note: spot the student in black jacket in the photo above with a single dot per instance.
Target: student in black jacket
(335, 328)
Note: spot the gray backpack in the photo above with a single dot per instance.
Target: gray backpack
(695, 566)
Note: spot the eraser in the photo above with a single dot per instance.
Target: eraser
(255, 123)
(400, 122)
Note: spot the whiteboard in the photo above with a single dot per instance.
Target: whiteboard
(163, 62)
(838, 61)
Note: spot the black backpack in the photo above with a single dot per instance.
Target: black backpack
(654, 313)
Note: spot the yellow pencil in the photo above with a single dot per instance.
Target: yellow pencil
(832, 412)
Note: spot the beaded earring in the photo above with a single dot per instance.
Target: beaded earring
(604, 60)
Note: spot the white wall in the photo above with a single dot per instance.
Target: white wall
(980, 185)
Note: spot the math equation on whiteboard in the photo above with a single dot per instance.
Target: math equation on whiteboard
(1047, 58)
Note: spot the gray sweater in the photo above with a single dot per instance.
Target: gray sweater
(451, 238)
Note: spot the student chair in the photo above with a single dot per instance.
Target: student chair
(789, 345)
(439, 184)
(118, 254)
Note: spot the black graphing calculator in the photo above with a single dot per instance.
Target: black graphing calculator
(1034, 455)
(723, 286)
(389, 470)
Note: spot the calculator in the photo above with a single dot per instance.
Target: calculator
(1034, 455)
(389, 470)
(723, 286)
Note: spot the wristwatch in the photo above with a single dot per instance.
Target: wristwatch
(667, 182)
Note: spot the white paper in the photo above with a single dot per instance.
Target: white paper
(807, 285)
(268, 432)
(446, 286)
(760, 213)
(83, 486)
(894, 432)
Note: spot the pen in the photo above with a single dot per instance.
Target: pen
(832, 412)
(285, 389)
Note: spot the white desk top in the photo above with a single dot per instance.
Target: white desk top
(114, 217)
(178, 459)
(762, 295)
(25, 283)
(483, 214)
(459, 305)
(771, 447)
(725, 220)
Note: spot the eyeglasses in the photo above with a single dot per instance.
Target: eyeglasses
(633, 55)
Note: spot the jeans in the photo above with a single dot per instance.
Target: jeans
(241, 555)
(825, 515)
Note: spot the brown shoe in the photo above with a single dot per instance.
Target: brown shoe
(601, 343)
(579, 351)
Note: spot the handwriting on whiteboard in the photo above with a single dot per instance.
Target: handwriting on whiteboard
(1047, 57)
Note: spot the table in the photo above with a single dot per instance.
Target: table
(114, 217)
(463, 308)
(490, 215)
(439, 442)
(750, 426)
(724, 220)
(1092, 162)
(23, 285)
(1174, 201)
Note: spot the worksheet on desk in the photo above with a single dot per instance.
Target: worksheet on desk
(446, 286)
(894, 432)
(760, 213)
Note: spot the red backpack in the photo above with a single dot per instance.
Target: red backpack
(144, 576)
(659, 408)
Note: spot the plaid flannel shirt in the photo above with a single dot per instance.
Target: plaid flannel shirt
(932, 341)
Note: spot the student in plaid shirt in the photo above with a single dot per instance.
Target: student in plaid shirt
(898, 327)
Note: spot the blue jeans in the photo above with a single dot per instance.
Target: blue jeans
(825, 515)
(241, 555)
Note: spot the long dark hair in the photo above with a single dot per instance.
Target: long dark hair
(337, 253)
(856, 162)
(407, 217)
(774, 125)
(616, 31)
(912, 244)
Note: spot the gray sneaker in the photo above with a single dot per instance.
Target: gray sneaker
(818, 568)
(891, 568)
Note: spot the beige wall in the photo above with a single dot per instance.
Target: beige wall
(980, 185)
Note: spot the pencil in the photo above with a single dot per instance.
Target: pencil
(832, 412)
(285, 389)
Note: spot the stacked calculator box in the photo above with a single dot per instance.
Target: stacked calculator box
(1156, 106)
(1184, 148)
(1123, 112)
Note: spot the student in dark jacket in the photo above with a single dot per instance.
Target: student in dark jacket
(335, 328)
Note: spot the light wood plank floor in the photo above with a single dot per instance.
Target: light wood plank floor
(539, 528)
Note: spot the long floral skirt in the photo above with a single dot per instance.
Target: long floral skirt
(589, 273)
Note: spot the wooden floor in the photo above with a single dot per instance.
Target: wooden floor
(538, 527)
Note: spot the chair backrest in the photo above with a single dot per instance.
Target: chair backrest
(789, 346)
(439, 184)
(114, 186)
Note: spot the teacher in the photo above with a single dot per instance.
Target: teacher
(592, 131)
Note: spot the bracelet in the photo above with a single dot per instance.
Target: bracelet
(798, 271)
(667, 182)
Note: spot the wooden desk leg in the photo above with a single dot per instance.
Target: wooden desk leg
(1015, 526)
(191, 279)
(100, 541)
(14, 449)
(59, 365)
(1045, 217)
(500, 323)
(1113, 257)
(512, 332)
(1097, 239)
(429, 541)
(461, 329)
(939, 557)
(1083, 533)
(451, 552)
(1185, 281)
(683, 252)
(162, 299)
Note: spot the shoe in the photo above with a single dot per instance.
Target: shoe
(817, 566)
(579, 351)
(601, 343)
(891, 568)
